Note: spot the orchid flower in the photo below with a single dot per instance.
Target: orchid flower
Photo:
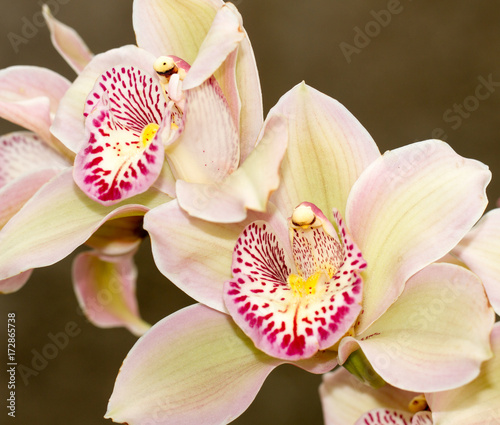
(346, 401)
(306, 290)
(168, 114)
(216, 114)
(28, 159)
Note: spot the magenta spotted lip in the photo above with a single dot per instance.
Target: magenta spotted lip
(293, 308)
(122, 156)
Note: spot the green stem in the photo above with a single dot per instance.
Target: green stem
(358, 365)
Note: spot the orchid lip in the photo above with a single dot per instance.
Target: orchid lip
(293, 308)
(123, 113)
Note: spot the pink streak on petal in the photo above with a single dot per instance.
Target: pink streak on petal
(385, 417)
(422, 418)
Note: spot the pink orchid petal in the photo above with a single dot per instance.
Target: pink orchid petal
(161, 26)
(195, 254)
(322, 362)
(23, 153)
(14, 283)
(263, 303)
(327, 151)
(475, 403)
(26, 164)
(207, 150)
(225, 372)
(118, 159)
(249, 187)
(224, 36)
(250, 96)
(67, 42)
(408, 209)
(345, 399)
(58, 219)
(16, 193)
(480, 251)
(434, 337)
(69, 123)
(29, 96)
(105, 288)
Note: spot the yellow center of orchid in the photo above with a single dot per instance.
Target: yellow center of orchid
(301, 287)
(418, 404)
(148, 133)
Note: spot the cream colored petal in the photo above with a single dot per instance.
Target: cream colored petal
(327, 151)
(480, 251)
(58, 219)
(477, 403)
(435, 336)
(247, 188)
(408, 209)
(193, 367)
(67, 42)
(174, 27)
(345, 399)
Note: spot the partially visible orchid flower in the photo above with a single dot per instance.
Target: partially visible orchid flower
(29, 97)
(170, 117)
(346, 401)
(479, 250)
(306, 290)
(29, 161)
(126, 101)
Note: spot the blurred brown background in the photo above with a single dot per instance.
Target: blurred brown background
(403, 85)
